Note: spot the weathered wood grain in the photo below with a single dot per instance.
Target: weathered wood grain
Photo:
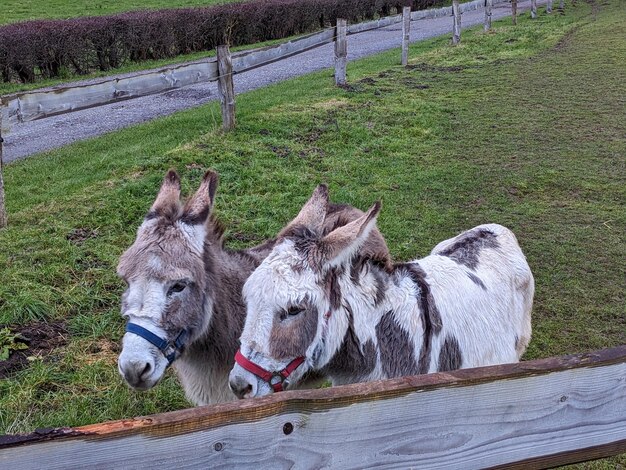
(4, 116)
(432, 13)
(514, 11)
(248, 60)
(406, 29)
(456, 23)
(29, 106)
(542, 413)
(3, 210)
(469, 6)
(488, 8)
(341, 51)
(226, 87)
(374, 24)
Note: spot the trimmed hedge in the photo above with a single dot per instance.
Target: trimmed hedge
(51, 48)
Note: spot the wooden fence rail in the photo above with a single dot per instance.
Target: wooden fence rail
(534, 414)
(3, 209)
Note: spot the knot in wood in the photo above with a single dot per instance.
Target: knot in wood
(287, 428)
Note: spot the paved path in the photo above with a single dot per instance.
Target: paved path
(32, 137)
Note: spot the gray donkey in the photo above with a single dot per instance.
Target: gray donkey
(183, 302)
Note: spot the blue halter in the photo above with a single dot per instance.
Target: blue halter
(170, 349)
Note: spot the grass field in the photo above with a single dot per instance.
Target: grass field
(19, 10)
(524, 126)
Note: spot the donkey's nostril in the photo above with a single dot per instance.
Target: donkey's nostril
(137, 372)
(240, 387)
(147, 370)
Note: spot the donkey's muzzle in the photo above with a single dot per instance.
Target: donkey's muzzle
(137, 373)
(240, 387)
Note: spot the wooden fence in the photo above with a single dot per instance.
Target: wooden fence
(534, 414)
(38, 104)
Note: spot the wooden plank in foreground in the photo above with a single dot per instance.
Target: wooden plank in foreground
(530, 415)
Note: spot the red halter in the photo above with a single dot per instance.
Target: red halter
(275, 379)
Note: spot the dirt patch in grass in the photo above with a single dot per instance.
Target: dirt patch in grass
(565, 41)
(103, 350)
(281, 151)
(79, 235)
(368, 81)
(412, 83)
(423, 67)
(41, 338)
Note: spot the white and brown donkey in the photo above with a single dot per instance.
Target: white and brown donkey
(317, 303)
(183, 302)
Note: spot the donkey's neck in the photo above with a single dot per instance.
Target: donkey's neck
(204, 369)
(379, 313)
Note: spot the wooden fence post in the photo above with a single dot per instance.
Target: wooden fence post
(341, 51)
(488, 6)
(456, 25)
(514, 11)
(3, 210)
(533, 9)
(549, 6)
(406, 28)
(225, 87)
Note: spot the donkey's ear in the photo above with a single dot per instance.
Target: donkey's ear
(199, 206)
(167, 202)
(313, 212)
(340, 244)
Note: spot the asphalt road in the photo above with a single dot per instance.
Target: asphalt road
(37, 136)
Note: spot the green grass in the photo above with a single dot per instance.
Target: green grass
(523, 126)
(20, 10)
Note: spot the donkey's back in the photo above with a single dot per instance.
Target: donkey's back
(483, 289)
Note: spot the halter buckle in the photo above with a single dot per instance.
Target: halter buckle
(276, 379)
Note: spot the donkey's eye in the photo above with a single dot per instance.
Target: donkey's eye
(177, 287)
(293, 311)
